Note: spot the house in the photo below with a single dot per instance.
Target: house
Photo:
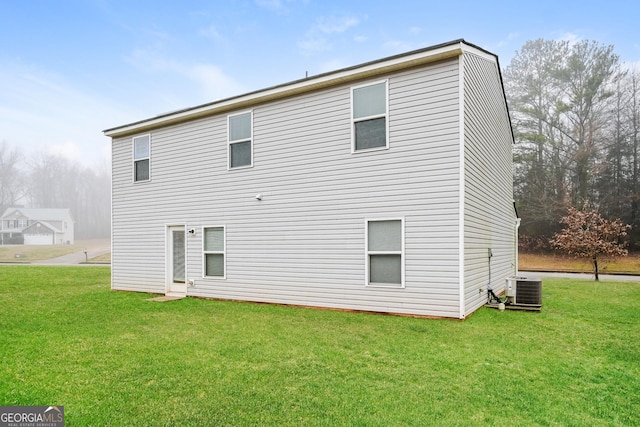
(36, 227)
(382, 187)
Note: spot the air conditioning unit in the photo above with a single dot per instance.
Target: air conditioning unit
(524, 291)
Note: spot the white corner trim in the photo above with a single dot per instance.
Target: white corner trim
(461, 187)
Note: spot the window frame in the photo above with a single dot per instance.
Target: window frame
(223, 252)
(136, 160)
(231, 142)
(368, 254)
(355, 120)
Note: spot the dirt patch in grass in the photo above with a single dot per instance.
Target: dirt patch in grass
(550, 262)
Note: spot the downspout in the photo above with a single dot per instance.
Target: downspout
(517, 226)
(489, 256)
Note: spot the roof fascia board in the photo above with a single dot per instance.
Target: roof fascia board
(310, 84)
(469, 48)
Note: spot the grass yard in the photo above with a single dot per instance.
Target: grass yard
(114, 358)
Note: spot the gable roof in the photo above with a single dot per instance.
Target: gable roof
(389, 64)
(40, 214)
(44, 224)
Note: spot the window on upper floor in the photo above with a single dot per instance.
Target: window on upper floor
(213, 250)
(240, 138)
(385, 253)
(369, 116)
(142, 158)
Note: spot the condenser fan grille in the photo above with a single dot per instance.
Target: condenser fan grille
(529, 292)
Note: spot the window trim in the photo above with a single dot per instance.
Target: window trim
(376, 116)
(367, 254)
(135, 160)
(231, 142)
(223, 252)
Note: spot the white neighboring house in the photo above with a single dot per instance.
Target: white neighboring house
(382, 187)
(36, 227)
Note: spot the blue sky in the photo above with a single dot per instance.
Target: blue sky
(70, 68)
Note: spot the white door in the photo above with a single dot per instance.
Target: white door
(176, 260)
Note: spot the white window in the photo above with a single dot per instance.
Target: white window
(214, 258)
(240, 140)
(141, 158)
(369, 116)
(385, 252)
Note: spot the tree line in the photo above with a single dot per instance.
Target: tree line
(575, 111)
(49, 181)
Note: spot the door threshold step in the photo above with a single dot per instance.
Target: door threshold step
(167, 297)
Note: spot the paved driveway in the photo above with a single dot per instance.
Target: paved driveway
(76, 257)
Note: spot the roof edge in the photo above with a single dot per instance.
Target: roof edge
(357, 72)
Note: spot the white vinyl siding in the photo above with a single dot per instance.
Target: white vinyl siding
(240, 140)
(142, 158)
(304, 243)
(369, 116)
(213, 261)
(489, 213)
(385, 252)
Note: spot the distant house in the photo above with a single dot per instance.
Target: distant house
(36, 227)
(386, 186)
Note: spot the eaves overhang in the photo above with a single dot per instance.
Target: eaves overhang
(346, 75)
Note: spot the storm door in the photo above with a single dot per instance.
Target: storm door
(176, 259)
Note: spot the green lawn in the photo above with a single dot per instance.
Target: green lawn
(114, 358)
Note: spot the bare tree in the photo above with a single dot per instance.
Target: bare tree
(588, 235)
(94, 203)
(11, 177)
(56, 182)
